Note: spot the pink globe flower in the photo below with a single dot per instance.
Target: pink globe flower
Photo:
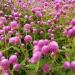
(67, 65)
(70, 33)
(35, 42)
(13, 59)
(14, 40)
(16, 67)
(14, 25)
(46, 41)
(27, 27)
(45, 50)
(73, 65)
(41, 43)
(5, 64)
(38, 13)
(72, 22)
(1, 32)
(46, 68)
(53, 46)
(27, 38)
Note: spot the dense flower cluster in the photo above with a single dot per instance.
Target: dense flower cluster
(5, 64)
(40, 33)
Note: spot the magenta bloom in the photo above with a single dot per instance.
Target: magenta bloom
(46, 42)
(14, 25)
(5, 64)
(27, 27)
(53, 46)
(46, 68)
(73, 65)
(45, 50)
(71, 33)
(13, 59)
(38, 13)
(27, 38)
(14, 40)
(16, 67)
(67, 65)
(35, 42)
(41, 43)
(73, 22)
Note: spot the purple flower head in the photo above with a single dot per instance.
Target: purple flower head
(16, 67)
(73, 65)
(5, 64)
(14, 25)
(35, 42)
(67, 65)
(72, 22)
(27, 38)
(45, 50)
(41, 43)
(46, 41)
(46, 68)
(53, 46)
(14, 40)
(3, 19)
(13, 59)
(70, 33)
(27, 27)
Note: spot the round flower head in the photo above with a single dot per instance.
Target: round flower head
(41, 43)
(3, 19)
(73, 28)
(27, 38)
(46, 68)
(27, 27)
(46, 4)
(14, 40)
(16, 14)
(41, 32)
(73, 22)
(6, 28)
(34, 30)
(70, 33)
(1, 32)
(14, 25)
(5, 64)
(35, 42)
(38, 13)
(45, 50)
(16, 67)
(53, 46)
(46, 42)
(66, 65)
(73, 65)
(13, 59)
